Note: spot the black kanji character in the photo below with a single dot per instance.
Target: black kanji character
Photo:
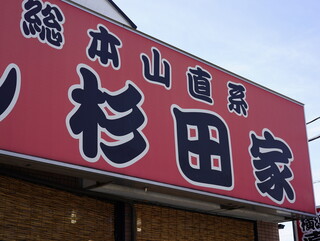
(314, 236)
(203, 148)
(105, 46)
(152, 70)
(199, 85)
(43, 21)
(271, 158)
(9, 89)
(308, 224)
(52, 25)
(237, 99)
(89, 119)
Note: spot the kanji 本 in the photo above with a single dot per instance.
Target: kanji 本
(104, 46)
(203, 148)
(157, 70)
(237, 99)
(43, 21)
(271, 158)
(199, 84)
(89, 119)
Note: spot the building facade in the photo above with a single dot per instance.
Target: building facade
(110, 134)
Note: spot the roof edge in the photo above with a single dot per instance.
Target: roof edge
(123, 14)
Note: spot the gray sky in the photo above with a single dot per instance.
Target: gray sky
(273, 43)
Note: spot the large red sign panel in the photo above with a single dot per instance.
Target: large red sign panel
(79, 89)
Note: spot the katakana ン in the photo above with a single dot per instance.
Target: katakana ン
(104, 46)
(43, 21)
(157, 70)
(199, 84)
(89, 119)
(203, 148)
(10, 83)
(271, 158)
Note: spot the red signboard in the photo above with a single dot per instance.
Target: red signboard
(308, 229)
(82, 90)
